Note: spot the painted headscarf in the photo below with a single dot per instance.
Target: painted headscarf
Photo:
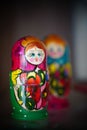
(18, 53)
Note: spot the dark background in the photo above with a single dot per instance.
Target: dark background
(37, 18)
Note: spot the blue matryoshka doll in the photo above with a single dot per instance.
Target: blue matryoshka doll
(59, 67)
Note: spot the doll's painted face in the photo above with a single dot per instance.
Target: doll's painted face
(35, 55)
(55, 50)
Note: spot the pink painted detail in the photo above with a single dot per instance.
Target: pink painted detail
(32, 59)
(52, 53)
(39, 103)
(59, 54)
(43, 87)
(40, 59)
(23, 77)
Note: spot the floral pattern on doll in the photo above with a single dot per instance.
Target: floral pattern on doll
(30, 86)
(29, 94)
(59, 65)
(60, 82)
(60, 73)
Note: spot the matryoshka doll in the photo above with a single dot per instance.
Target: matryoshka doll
(60, 72)
(29, 79)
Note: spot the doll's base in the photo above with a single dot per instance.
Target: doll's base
(30, 115)
(29, 125)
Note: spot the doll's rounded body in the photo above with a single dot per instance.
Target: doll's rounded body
(28, 82)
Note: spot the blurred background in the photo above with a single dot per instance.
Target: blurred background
(67, 18)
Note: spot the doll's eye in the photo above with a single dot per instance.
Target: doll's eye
(59, 49)
(39, 54)
(32, 54)
(51, 49)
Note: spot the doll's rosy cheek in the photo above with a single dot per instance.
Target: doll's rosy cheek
(50, 53)
(60, 54)
(40, 59)
(32, 59)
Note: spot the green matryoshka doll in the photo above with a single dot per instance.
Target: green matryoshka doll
(29, 79)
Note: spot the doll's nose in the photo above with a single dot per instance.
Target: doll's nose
(36, 59)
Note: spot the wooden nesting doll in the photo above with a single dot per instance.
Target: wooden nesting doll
(29, 79)
(59, 66)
